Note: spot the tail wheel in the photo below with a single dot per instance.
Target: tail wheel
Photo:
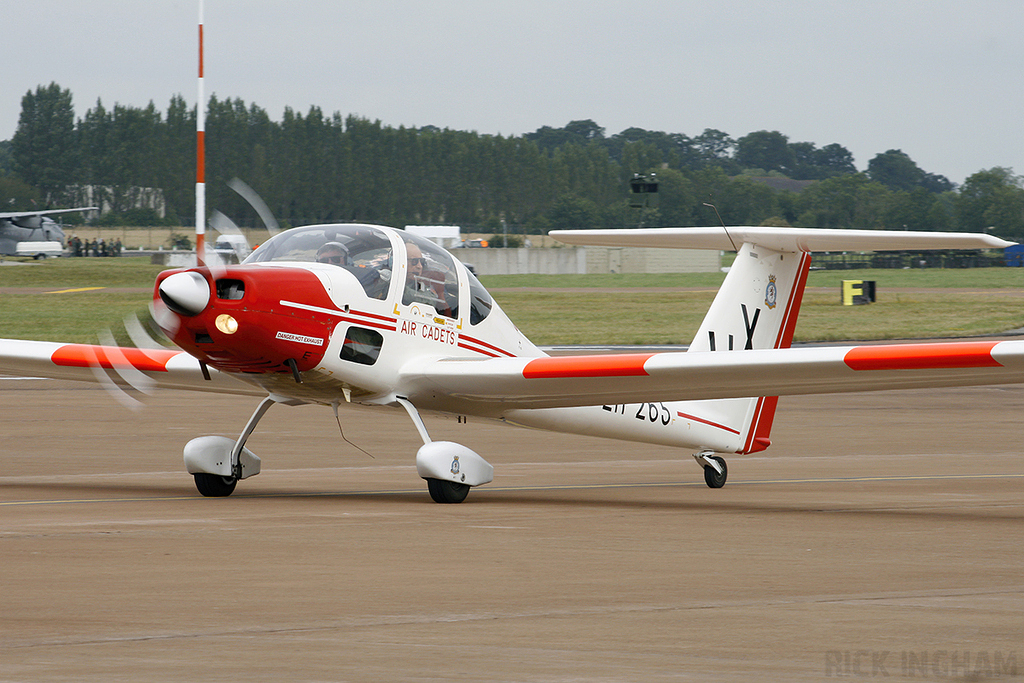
(214, 485)
(712, 477)
(442, 491)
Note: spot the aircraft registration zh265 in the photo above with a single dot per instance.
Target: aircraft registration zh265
(354, 313)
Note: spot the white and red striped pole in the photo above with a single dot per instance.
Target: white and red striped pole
(200, 154)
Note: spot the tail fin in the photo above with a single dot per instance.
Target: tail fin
(757, 305)
(756, 308)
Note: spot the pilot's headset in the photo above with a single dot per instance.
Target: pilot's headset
(333, 252)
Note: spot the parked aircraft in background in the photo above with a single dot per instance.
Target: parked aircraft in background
(17, 227)
(353, 313)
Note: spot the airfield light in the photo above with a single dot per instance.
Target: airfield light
(226, 324)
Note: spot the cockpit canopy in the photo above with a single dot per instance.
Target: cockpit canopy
(363, 250)
(430, 276)
(433, 278)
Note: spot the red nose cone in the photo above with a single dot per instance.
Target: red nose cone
(264, 312)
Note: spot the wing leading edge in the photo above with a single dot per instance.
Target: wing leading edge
(518, 383)
(166, 369)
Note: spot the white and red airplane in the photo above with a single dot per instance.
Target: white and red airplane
(353, 313)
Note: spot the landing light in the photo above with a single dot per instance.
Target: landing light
(226, 324)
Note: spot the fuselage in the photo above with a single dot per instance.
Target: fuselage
(347, 325)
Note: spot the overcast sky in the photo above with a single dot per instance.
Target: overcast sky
(943, 81)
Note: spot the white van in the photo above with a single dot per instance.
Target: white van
(231, 248)
(40, 250)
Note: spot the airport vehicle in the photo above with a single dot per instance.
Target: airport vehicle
(355, 313)
(40, 250)
(231, 248)
(32, 226)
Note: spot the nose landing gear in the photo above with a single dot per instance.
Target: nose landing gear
(217, 462)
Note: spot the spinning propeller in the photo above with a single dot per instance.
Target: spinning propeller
(186, 293)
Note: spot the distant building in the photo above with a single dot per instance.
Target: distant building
(110, 198)
(445, 236)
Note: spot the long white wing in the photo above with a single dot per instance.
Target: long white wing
(500, 384)
(779, 239)
(166, 368)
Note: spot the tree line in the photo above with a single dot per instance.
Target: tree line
(311, 167)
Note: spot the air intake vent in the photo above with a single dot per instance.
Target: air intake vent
(230, 289)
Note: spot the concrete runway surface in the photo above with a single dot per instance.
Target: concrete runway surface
(880, 537)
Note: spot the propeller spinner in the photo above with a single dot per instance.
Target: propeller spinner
(185, 293)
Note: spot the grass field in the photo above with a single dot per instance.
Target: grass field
(580, 309)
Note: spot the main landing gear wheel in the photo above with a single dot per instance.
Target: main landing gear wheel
(712, 477)
(442, 491)
(214, 485)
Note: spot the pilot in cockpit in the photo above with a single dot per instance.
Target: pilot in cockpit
(333, 252)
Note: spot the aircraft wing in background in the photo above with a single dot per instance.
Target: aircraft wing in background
(15, 216)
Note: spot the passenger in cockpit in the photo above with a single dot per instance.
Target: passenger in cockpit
(423, 287)
(415, 259)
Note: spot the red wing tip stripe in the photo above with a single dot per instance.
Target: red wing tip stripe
(923, 356)
(625, 365)
(707, 422)
(85, 356)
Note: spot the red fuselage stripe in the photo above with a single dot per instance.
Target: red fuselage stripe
(380, 326)
(625, 365)
(390, 319)
(388, 322)
(923, 356)
(480, 342)
(707, 422)
(464, 345)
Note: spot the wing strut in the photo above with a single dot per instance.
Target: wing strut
(450, 468)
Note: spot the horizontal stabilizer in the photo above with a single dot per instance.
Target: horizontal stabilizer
(779, 239)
